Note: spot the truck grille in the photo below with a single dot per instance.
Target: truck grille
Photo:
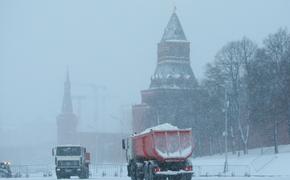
(68, 163)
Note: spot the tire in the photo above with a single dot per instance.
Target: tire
(183, 177)
(87, 174)
(131, 171)
(172, 178)
(149, 175)
(134, 173)
(66, 177)
(82, 175)
(58, 176)
(186, 177)
(146, 173)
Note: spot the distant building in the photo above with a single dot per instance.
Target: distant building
(104, 147)
(67, 121)
(172, 92)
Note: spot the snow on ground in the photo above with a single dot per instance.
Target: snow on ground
(194, 178)
(259, 164)
(261, 161)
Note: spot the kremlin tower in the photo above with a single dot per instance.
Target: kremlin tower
(67, 121)
(171, 95)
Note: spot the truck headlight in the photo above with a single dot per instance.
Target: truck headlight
(58, 169)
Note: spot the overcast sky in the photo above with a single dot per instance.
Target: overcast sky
(109, 43)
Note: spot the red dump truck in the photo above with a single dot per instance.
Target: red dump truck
(159, 153)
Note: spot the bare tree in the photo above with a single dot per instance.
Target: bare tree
(247, 50)
(234, 59)
(212, 106)
(227, 61)
(277, 47)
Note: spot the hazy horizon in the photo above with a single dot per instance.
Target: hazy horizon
(109, 44)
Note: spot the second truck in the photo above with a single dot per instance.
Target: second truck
(159, 153)
(71, 160)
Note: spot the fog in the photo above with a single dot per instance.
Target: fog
(109, 48)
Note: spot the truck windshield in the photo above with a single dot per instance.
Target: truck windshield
(68, 151)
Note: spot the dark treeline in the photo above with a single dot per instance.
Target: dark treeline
(250, 87)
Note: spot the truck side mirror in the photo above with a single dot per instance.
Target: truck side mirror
(52, 152)
(123, 144)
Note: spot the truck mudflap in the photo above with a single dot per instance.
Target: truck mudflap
(173, 173)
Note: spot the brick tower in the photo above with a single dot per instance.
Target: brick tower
(171, 95)
(67, 120)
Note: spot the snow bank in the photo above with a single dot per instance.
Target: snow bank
(260, 162)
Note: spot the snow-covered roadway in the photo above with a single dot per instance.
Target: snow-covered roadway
(194, 178)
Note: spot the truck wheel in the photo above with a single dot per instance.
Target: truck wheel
(149, 175)
(84, 174)
(147, 172)
(175, 178)
(134, 171)
(87, 174)
(63, 177)
(180, 177)
(186, 177)
(58, 176)
(133, 177)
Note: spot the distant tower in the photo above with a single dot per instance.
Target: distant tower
(67, 120)
(172, 92)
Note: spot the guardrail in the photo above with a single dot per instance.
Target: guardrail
(120, 170)
(45, 170)
(32, 170)
(110, 170)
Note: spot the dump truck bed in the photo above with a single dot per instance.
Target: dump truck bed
(163, 145)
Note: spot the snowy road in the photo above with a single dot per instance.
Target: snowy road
(195, 178)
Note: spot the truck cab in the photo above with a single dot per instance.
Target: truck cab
(71, 160)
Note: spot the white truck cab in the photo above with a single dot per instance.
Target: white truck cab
(71, 160)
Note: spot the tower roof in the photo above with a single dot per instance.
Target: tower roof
(67, 101)
(173, 69)
(173, 30)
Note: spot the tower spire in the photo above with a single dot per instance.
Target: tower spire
(173, 30)
(67, 101)
(67, 121)
(174, 7)
(67, 74)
